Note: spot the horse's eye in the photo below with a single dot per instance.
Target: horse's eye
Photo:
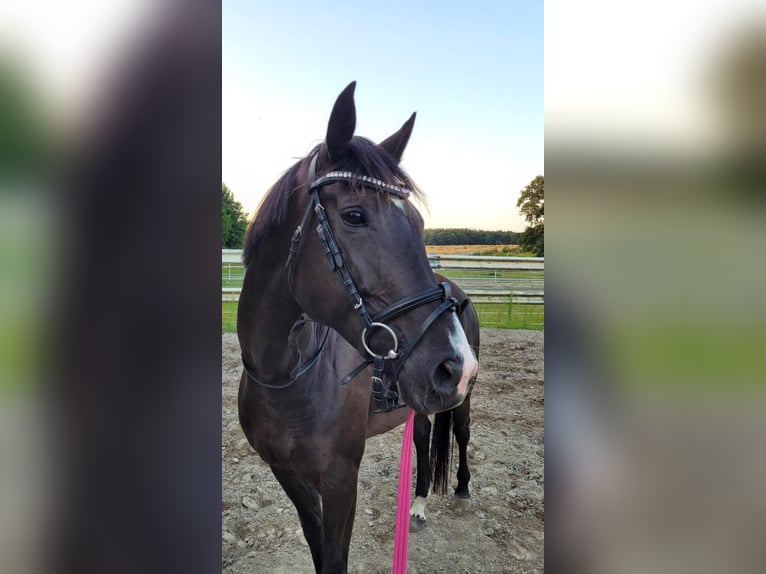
(354, 217)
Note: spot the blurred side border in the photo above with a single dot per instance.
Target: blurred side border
(111, 387)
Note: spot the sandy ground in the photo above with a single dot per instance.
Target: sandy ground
(501, 532)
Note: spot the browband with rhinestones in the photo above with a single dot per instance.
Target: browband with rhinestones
(334, 176)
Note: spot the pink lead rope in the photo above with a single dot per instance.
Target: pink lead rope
(402, 531)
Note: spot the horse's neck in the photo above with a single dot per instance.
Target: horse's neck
(267, 313)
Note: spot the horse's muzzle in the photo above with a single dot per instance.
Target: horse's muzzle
(450, 381)
(445, 385)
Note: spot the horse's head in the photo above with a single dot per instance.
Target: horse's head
(360, 264)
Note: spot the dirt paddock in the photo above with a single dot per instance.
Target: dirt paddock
(501, 532)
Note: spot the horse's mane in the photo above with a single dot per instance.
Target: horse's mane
(363, 157)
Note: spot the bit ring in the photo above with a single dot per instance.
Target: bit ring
(392, 354)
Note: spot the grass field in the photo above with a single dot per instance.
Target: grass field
(490, 315)
(229, 316)
(508, 316)
(503, 316)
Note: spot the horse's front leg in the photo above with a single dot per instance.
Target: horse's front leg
(306, 500)
(422, 440)
(462, 431)
(339, 489)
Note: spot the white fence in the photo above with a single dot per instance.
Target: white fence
(495, 279)
(517, 280)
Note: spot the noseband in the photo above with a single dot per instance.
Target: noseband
(384, 385)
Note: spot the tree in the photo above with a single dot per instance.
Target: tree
(233, 220)
(463, 236)
(531, 202)
(533, 239)
(532, 206)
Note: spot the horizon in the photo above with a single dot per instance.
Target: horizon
(250, 216)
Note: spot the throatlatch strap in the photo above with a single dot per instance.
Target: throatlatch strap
(297, 371)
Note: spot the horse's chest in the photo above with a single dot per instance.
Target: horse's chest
(306, 427)
(276, 450)
(289, 440)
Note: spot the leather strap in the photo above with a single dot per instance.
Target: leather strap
(297, 372)
(440, 291)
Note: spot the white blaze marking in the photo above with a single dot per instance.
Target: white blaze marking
(399, 203)
(470, 364)
(419, 508)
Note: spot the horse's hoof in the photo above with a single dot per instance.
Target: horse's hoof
(417, 523)
(461, 503)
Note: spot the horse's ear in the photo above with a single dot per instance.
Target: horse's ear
(396, 143)
(340, 128)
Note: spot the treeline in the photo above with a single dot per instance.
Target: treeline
(470, 237)
(233, 220)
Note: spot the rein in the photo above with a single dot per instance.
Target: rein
(384, 386)
(296, 372)
(403, 494)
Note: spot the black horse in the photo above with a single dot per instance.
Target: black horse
(343, 325)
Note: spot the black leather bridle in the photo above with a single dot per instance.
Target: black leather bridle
(384, 387)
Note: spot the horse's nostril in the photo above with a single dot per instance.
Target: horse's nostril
(446, 374)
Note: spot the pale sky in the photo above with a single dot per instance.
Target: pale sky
(472, 71)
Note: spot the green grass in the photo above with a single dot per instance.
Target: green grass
(509, 316)
(500, 316)
(232, 279)
(229, 317)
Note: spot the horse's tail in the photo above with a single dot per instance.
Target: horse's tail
(441, 449)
